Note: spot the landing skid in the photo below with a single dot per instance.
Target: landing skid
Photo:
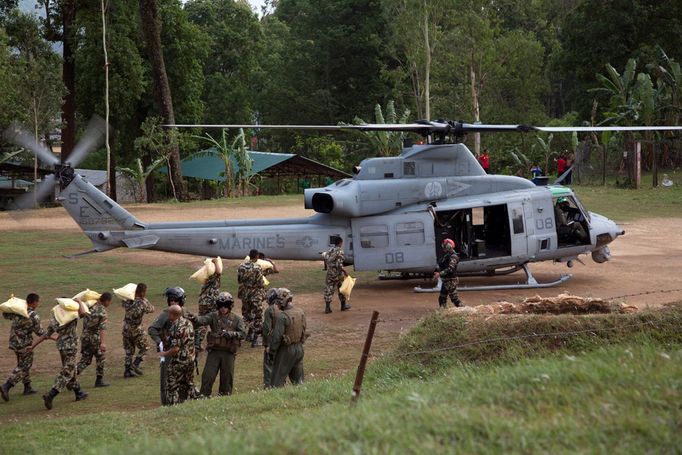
(531, 283)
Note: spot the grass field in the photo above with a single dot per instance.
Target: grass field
(593, 392)
(601, 390)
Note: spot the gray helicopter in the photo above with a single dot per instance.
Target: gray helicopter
(392, 215)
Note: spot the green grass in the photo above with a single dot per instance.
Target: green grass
(628, 204)
(597, 393)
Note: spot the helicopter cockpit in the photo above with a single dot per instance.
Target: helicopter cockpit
(572, 222)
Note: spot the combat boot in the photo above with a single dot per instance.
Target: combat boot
(457, 303)
(4, 390)
(255, 341)
(47, 398)
(344, 306)
(128, 373)
(135, 368)
(80, 394)
(99, 382)
(28, 390)
(327, 308)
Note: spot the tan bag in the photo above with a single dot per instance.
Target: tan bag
(68, 304)
(88, 297)
(15, 306)
(127, 292)
(264, 265)
(347, 286)
(206, 270)
(64, 316)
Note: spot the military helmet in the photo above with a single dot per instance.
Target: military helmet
(175, 294)
(449, 242)
(281, 296)
(271, 296)
(224, 300)
(561, 200)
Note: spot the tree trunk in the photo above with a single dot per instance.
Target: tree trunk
(427, 65)
(150, 195)
(151, 28)
(69, 78)
(476, 107)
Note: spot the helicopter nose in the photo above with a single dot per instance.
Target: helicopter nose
(606, 230)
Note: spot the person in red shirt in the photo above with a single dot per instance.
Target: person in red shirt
(560, 165)
(484, 159)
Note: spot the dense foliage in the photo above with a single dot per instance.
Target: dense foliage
(331, 61)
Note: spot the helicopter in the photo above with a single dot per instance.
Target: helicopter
(392, 215)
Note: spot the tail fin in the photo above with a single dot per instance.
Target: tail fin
(94, 210)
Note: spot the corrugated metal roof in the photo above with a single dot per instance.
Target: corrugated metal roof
(209, 165)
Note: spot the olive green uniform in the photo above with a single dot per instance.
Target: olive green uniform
(222, 343)
(269, 317)
(158, 331)
(286, 344)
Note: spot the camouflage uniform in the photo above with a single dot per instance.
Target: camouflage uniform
(133, 332)
(67, 344)
(286, 345)
(93, 324)
(251, 292)
(222, 350)
(333, 262)
(20, 338)
(207, 298)
(159, 332)
(180, 366)
(269, 318)
(447, 267)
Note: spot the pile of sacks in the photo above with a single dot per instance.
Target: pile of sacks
(561, 304)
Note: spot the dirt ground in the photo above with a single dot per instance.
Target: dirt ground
(647, 258)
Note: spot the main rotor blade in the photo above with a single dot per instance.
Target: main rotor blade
(19, 136)
(39, 192)
(89, 141)
(568, 129)
(442, 127)
(416, 127)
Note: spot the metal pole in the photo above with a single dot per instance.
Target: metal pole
(654, 163)
(363, 360)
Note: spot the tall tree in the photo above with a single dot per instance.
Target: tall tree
(151, 27)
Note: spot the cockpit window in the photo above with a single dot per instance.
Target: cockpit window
(580, 207)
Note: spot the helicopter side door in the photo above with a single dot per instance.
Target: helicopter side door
(519, 230)
(393, 242)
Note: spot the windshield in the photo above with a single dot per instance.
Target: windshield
(581, 208)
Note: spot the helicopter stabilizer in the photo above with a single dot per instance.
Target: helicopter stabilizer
(531, 283)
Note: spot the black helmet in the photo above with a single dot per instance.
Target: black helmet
(224, 300)
(175, 294)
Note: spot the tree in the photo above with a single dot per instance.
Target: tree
(151, 28)
(157, 142)
(631, 100)
(139, 174)
(416, 27)
(385, 143)
(231, 152)
(233, 44)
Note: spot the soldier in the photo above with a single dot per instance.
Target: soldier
(207, 303)
(158, 331)
(251, 292)
(180, 357)
(133, 332)
(92, 338)
(333, 262)
(447, 272)
(20, 339)
(286, 342)
(67, 344)
(269, 318)
(222, 343)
